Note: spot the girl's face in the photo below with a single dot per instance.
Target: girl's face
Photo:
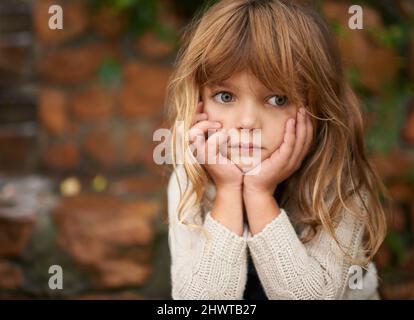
(243, 102)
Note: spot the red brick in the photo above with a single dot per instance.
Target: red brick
(152, 46)
(62, 156)
(13, 58)
(383, 257)
(338, 11)
(16, 150)
(411, 61)
(143, 92)
(133, 147)
(148, 210)
(101, 147)
(409, 262)
(111, 238)
(108, 219)
(75, 21)
(109, 22)
(151, 166)
(408, 129)
(52, 110)
(169, 16)
(412, 216)
(72, 65)
(138, 185)
(14, 236)
(402, 290)
(93, 103)
(387, 165)
(375, 73)
(406, 7)
(11, 276)
(360, 49)
(401, 191)
(120, 273)
(396, 218)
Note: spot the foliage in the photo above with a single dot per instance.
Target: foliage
(142, 16)
(110, 73)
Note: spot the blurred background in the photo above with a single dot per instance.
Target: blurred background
(78, 107)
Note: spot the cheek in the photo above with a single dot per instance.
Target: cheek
(274, 130)
(211, 111)
(273, 137)
(217, 113)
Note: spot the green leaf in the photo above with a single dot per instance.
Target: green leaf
(143, 17)
(389, 112)
(396, 243)
(110, 72)
(166, 33)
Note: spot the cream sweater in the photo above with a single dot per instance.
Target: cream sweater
(287, 268)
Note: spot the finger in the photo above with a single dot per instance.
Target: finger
(199, 117)
(300, 138)
(198, 145)
(215, 144)
(201, 128)
(206, 124)
(198, 149)
(286, 149)
(309, 136)
(195, 133)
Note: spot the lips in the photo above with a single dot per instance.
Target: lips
(241, 145)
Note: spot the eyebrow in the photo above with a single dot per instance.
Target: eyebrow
(222, 84)
(229, 86)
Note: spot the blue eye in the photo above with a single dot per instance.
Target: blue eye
(226, 96)
(279, 100)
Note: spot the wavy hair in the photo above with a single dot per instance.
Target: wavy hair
(286, 45)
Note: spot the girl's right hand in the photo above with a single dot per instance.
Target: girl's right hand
(224, 172)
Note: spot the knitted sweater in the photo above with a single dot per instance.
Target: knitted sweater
(287, 268)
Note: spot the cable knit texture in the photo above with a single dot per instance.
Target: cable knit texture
(287, 268)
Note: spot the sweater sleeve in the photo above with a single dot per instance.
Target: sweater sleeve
(289, 269)
(200, 271)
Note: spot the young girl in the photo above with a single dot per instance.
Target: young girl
(307, 224)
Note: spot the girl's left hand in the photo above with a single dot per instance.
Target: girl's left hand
(285, 160)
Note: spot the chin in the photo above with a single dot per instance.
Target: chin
(245, 162)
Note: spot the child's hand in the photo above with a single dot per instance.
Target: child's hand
(285, 160)
(224, 172)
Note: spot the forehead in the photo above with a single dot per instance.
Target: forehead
(240, 81)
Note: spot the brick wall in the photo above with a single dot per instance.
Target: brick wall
(86, 124)
(100, 96)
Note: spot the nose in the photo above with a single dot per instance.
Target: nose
(249, 116)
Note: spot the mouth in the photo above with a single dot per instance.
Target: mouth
(247, 146)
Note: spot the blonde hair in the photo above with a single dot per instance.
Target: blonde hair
(288, 46)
